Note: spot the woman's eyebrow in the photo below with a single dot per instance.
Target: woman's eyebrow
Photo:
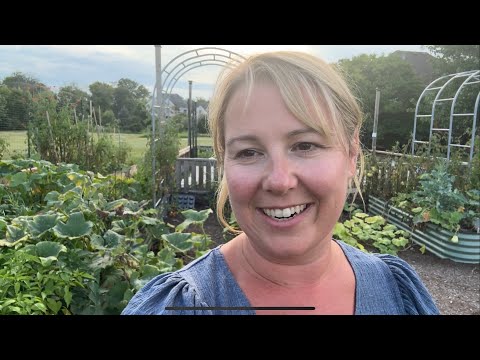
(301, 132)
(254, 138)
(251, 138)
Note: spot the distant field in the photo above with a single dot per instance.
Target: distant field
(17, 141)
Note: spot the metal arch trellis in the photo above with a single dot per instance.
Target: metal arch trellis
(471, 77)
(173, 71)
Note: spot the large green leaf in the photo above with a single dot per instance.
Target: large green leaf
(149, 271)
(119, 226)
(179, 241)
(42, 223)
(49, 248)
(158, 230)
(3, 224)
(52, 198)
(112, 239)
(115, 204)
(15, 233)
(97, 242)
(78, 179)
(75, 227)
(18, 179)
(197, 216)
(102, 261)
(193, 217)
(167, 256)
(150, 221)
(53, 305)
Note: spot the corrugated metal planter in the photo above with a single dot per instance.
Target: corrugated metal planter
(435, 238)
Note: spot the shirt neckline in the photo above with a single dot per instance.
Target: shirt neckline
(231, 277)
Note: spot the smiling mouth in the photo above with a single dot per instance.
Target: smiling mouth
(285, 213)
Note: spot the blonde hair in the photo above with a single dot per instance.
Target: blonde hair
(313, 91)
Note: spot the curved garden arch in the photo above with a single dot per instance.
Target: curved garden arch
(169, 76)
(470, 77)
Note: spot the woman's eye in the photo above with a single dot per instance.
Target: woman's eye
(304, 147)
(249, 153)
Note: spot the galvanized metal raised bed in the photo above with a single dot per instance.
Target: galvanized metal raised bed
(435, 238)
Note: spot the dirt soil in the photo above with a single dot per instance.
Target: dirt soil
(454, 286)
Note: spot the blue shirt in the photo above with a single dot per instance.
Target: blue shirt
(385, 285)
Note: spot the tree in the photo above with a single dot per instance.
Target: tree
(451, 59)
(202, 102)
(108, 118)
(102, 95)
(399, 87)
(4, 94)
(23, 82)
(130, 105)
(73, 97)
(18, 109)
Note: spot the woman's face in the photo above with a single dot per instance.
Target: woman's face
(287, 184)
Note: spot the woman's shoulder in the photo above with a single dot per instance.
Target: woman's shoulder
(206, 282)
(393, 271)
(416, 298)
(173, 292)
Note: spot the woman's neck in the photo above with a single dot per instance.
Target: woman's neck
(274, 273)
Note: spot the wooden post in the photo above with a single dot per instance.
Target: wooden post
(51, 136)
(375, 122)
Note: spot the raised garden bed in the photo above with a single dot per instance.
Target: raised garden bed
(435, 239)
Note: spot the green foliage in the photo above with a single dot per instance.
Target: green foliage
(436, 200)
(205, 152)
(130, 105)
(364, 230)
(18, 80)
(389, 174)
(202, 125)
(167, 146)
(399, 88)
(75, 99)
(35, 279)
(450, 59)
(3, 147)
(57, 137)
(73, 249)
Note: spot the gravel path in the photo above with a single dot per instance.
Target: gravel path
(454, 286)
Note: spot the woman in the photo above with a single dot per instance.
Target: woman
(286, 135)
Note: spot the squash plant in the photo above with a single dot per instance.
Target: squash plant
(373, 231)
(68, 247)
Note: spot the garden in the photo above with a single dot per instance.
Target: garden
(80, 234)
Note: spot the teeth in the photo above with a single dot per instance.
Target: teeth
(284, 213)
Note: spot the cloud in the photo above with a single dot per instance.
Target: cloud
(82, 65)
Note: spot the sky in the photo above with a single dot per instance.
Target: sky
(82, 65)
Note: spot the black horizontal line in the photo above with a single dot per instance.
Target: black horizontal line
(239, 308)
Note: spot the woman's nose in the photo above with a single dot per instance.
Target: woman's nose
(279, 176)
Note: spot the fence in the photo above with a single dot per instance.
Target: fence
(196, 175)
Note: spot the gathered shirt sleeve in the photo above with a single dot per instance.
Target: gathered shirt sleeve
(166, 290)
(416, 298)
(206, 284)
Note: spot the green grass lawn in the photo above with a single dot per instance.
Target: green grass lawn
(17, 141)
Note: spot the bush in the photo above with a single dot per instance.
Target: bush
(3, 147)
